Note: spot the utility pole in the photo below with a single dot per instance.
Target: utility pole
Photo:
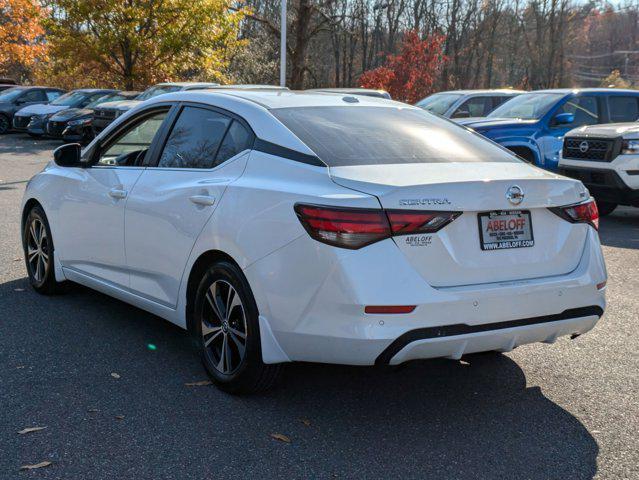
(283, 45)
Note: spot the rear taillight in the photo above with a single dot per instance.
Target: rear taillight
(357, 227)
(586, 212)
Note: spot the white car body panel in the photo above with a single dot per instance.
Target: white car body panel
(311, 296)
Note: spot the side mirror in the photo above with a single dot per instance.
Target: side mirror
(68, 155)
(564, 119)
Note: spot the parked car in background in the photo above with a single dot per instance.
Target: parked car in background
(76, 124)
(5, 86)
(17, 98)
(33, 119)
(292, 226)
(367, 92)
(606, 159)
(533, 124)
(107, 112)
(466, 103)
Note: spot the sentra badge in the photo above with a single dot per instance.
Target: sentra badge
(424, 201)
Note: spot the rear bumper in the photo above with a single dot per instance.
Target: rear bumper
(317, 313)
(453, 341)
(605, 184)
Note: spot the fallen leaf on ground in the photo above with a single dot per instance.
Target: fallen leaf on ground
(464, 362)
(18, 289)
(281, 437)
(306, 422)
(35, 465)
(20, 366)
(31, 429)
(17, 259)
(201, 383)
(92, 410)
(115, 375)
(119, 417)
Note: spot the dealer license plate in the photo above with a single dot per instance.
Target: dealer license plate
(505, 229)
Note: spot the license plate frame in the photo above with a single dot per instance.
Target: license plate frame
(505, 244)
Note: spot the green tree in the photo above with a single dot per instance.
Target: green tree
(134, 43)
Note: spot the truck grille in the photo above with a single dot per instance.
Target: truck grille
(593, 149)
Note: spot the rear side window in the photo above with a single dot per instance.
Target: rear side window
(354, 135)
(497, 101)
(623, 109)
(194, 139)
(237, 139)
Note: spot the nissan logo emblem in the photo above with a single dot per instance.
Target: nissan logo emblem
(515, 195)
(583, 147)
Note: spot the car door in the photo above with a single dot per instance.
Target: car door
(32, 96)
(91, 216)
(172, 201)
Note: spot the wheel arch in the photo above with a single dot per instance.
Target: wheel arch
(527, 152)
(197, 270)
(28, 206)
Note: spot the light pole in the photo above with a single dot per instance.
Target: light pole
(283, 45)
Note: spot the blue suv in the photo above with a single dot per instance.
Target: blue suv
(533, 125)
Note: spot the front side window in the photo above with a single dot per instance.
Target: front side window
(345, 136)
(584, 108)
(474, 107)
(195, 139)
(623, 109)
(131, 146)
(33, 96)
(528, 106)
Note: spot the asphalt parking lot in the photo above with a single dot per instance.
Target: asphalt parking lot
(563, 411)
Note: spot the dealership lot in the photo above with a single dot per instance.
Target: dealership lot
(567, 410)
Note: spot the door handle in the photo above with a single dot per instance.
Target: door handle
(205, 200)
(117, 193)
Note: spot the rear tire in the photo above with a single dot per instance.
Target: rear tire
(37, 244)
(605, 208)
(226, 331)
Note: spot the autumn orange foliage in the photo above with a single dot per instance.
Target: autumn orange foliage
(21, 36)
(410, 75)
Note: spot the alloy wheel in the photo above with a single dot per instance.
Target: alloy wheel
(224, 327)
(38, 250)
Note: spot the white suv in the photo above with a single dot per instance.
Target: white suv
(606, 159)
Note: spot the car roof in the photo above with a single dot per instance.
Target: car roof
(566, 91)
(247, 86)
(29, 87)
(185, 84)
(272, 99)
(497, 91)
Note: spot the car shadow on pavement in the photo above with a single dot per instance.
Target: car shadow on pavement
(427, 419)
(621, 228)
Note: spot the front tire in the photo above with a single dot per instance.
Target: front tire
(605, 208)
(39, 252)
(226, 330)
(5, 124)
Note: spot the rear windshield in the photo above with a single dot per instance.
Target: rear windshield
(350, 135)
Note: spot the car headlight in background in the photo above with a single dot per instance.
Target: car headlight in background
(630, 147)
(80, 121)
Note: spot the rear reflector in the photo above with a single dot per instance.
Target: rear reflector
(389, 309)
(357, 227)
(586, 212)
(601, 285)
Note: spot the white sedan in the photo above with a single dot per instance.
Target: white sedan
(284, 226)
